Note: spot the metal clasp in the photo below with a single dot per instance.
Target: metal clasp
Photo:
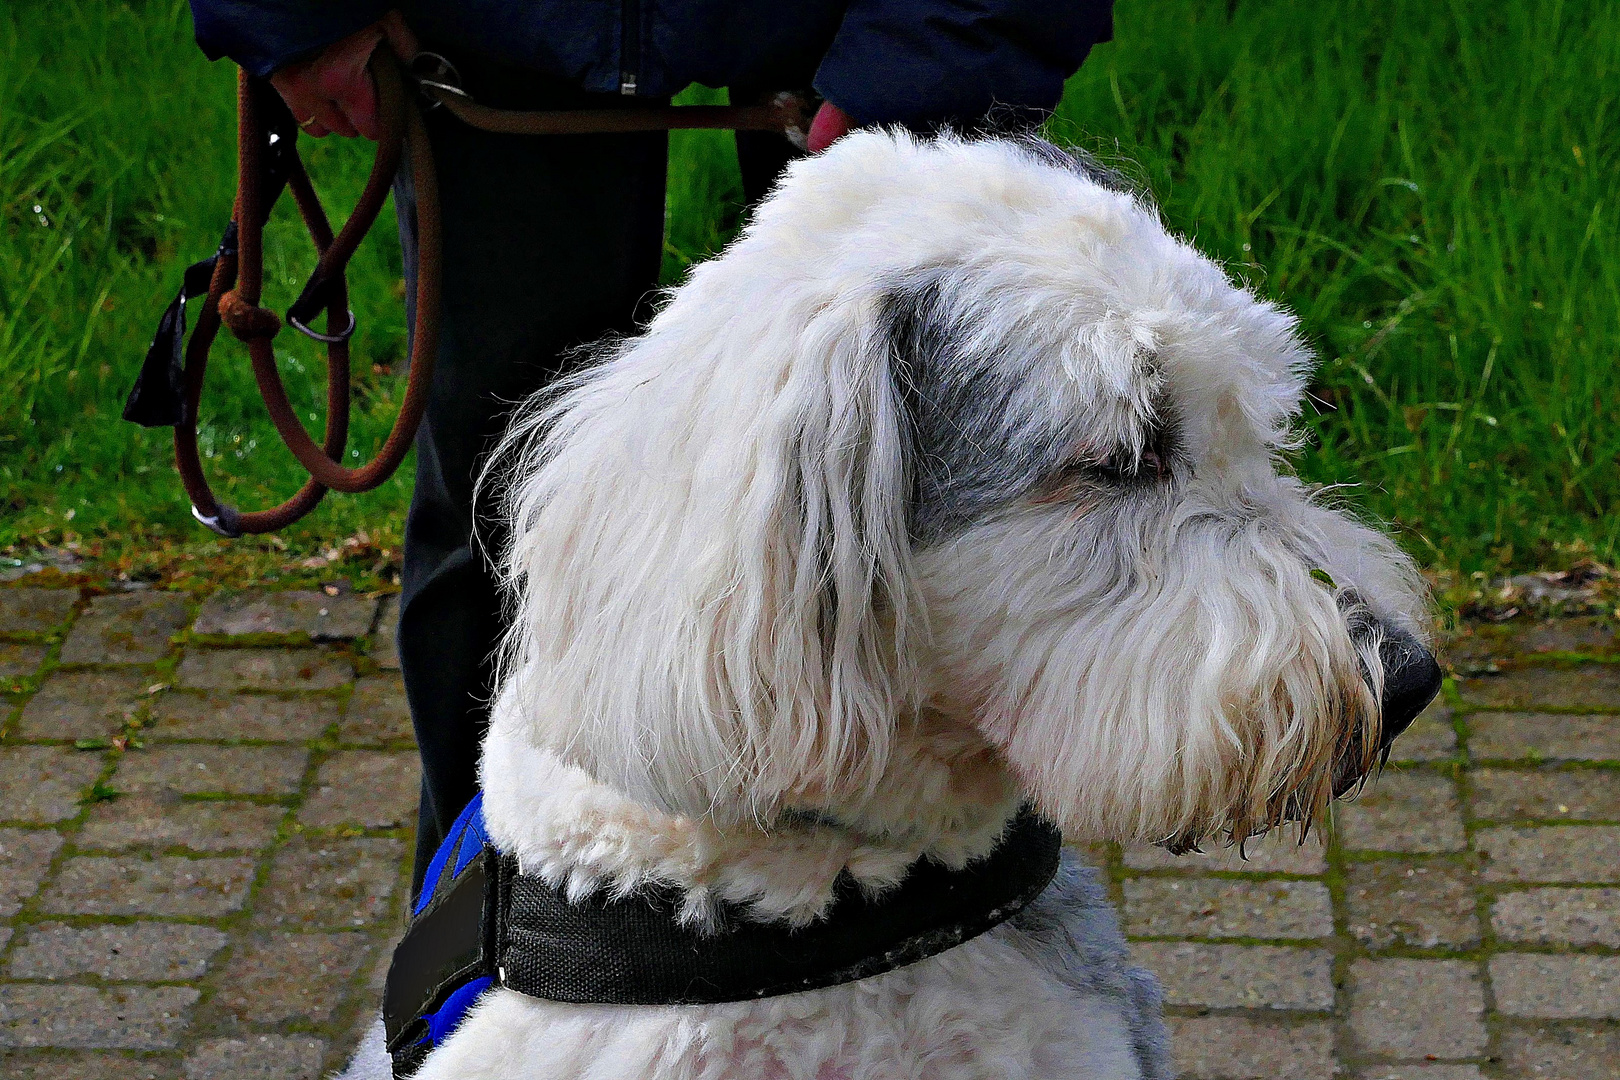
(331, 339)
(223, 523)
(434, 72)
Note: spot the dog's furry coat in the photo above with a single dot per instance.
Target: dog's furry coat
(954, 482)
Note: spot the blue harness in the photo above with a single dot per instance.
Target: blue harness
(480, 923)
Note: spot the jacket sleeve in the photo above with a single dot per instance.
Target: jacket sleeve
(925, 62)
(263, 35)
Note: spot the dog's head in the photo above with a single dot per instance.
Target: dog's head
(955, 426)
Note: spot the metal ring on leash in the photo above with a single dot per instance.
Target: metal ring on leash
(224, 523)
(432, 71)
(330, 339)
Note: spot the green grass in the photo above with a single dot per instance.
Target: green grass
(1432, 186)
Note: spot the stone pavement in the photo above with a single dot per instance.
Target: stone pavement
(205, 819)
(205, 811)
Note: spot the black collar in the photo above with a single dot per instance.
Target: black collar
(480, 923)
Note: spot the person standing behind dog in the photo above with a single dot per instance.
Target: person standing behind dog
(552, 242)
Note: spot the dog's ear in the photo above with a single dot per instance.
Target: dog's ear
(709, 566)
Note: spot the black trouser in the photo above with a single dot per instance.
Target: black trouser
(549, 242)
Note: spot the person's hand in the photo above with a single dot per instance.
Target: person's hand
(333, 91)
(830, 124)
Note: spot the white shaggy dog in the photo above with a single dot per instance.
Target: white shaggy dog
(953, 483)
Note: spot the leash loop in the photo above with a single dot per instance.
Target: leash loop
(169, 389)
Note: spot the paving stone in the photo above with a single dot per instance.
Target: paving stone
(35, 611)
(1278, 852)
(125, 952)
(309, 668)
(1559, 917)
(1413, 1008)
(1403, 811)
(164, 820)
(1431, 1071)
(133, 885)
(1580, 635)
(43, 784)
(1430, 738)
(25, 859)
(1546, 794)
(377, 712)
(1219, 907)
(274, 978)
(18, 661)
(384, 643)
(1556, 987)
(1574, 853)
(85, 1065)
(1588, 635)
(85, 1018)
(126, 628)
(330, 883)
(257, 1057)
(1560, 1052)
(1416, 905)
(1543, 736)
(193, 769)
(1239, 1048)
(1239, 976)
(374, 789)
(1591, 686)
(5, 936)
(83, 704)
(289, 611)
(259, 717)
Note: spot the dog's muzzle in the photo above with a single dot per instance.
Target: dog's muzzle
(1411, 681)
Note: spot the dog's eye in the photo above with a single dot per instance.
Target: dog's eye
(1116, 468)
(1122, 467)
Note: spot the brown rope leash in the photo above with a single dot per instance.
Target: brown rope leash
(169, 389)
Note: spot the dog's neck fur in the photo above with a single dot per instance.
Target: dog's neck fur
(946, 794)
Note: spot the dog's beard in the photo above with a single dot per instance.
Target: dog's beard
(1153, 671)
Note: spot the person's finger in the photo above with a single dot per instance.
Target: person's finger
(360, 113)
(355, 95)
(344, 78)
(830, 124)
(297, 88)
(330, 116)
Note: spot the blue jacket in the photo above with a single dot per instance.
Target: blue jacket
(913, 62)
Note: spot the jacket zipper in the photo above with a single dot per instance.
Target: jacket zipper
(629, 46)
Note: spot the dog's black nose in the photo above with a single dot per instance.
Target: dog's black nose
(1411, 680)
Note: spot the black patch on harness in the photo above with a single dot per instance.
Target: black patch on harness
(450, 943)
(490, 922)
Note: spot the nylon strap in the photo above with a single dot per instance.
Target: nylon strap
(486, 921)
